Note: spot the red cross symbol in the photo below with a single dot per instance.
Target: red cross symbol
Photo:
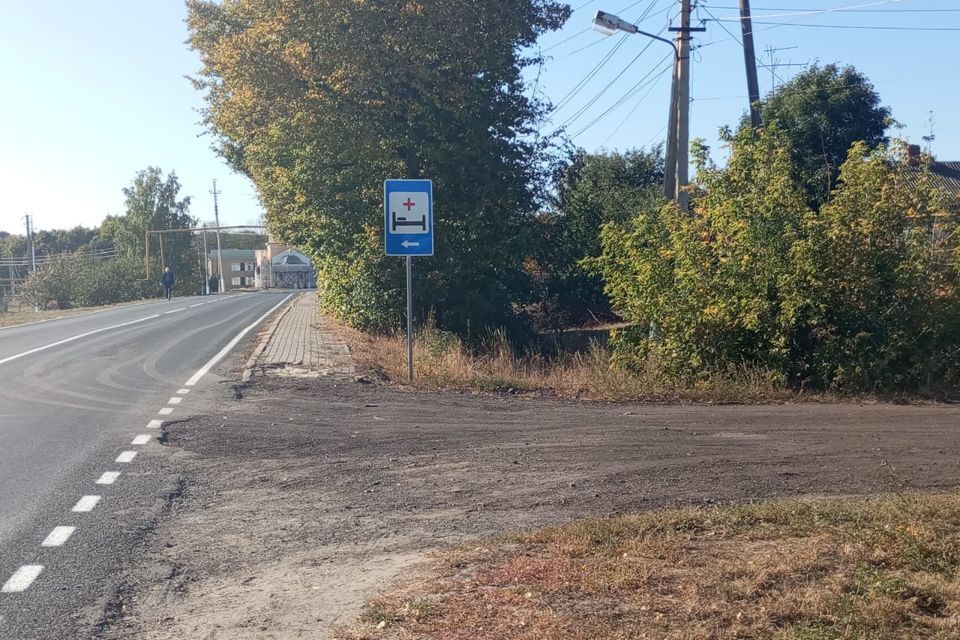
(409, 204)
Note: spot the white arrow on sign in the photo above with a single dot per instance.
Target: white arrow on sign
(406, 244)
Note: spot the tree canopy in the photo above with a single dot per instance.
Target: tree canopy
(152, 203)
(821, 112)
(590, 190)
(319, 101)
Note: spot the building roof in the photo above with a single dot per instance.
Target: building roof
(943, 175)
(235, 254)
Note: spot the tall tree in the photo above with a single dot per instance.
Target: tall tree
(590, 191)
(319, 101)
(822, 112)
(153, 204)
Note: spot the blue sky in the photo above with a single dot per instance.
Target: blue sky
(95, 90)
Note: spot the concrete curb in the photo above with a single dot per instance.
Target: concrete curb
(252, 361)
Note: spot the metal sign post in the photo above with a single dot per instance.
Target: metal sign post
(408, 232)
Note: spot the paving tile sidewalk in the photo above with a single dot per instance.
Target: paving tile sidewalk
(299, 344)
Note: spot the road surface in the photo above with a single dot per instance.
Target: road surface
(81, 400)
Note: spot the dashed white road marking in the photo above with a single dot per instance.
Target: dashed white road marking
(108, 477)
(76, 337)
(199, 304)
(141, 439)
(22, 579)
(58, 537)
(183, 392)
(154, 424)
(85, 504)
(126, 456)
(166, 313)
(165, 411)
(174, 400)
(195, 378)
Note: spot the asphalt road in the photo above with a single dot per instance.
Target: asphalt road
(81, 400)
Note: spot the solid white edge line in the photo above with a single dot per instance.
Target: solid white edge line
(86, 504)
(195, 378)
(22, 579)
(154, 424)
(58, 537)
(174, 400)
(120, 307)
(77, 337)
(108, 477)
(165, 411)
(141, 439)
(126, 456)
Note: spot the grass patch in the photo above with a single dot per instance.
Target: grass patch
(443, 361)
(879, 569)
(19, 313)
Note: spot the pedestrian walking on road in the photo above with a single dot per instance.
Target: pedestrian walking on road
(167, 280)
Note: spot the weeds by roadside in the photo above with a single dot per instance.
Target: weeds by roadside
(443, 361)
(884, 569)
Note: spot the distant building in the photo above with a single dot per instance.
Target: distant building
(239, 267)
(280, 267)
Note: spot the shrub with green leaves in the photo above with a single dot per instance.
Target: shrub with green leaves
(859, 296)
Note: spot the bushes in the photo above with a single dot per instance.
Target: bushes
(78, 280)
(860, 296)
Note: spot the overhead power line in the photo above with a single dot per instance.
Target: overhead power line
(841, 10)
(629, 115)
(592, 101)
(564, 101)
(634, 90)
(842, 26)
(734, 37)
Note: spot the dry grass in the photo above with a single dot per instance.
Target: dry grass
(878, 569)
(443, 362)
(22, 314)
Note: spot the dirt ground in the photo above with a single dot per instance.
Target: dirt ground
(305, 497)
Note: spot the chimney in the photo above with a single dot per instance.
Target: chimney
(913, 155)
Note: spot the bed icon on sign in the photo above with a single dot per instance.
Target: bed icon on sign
(408, 217)
(408, 212)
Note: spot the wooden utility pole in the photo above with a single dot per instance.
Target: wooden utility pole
(670, 169)
(206, 258)
(216, 216)
(683, 105)
(750, 59)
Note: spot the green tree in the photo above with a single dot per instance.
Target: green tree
(822, 112)
(703, 290)
(877, 274)
(860, 295)
(319, 101)
(65, 240)
(153, 204)
(590, 191)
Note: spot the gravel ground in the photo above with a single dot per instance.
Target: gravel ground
(304, 497)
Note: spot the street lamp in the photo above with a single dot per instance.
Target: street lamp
(608, 24)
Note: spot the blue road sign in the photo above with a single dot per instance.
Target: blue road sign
(408, 217)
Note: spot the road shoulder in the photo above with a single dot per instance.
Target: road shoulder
(306, 496)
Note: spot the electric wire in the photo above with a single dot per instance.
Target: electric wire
(639, 86)
(845, 26)
(740, 42)
(606, 59)
(633, 110)
(582, 110)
